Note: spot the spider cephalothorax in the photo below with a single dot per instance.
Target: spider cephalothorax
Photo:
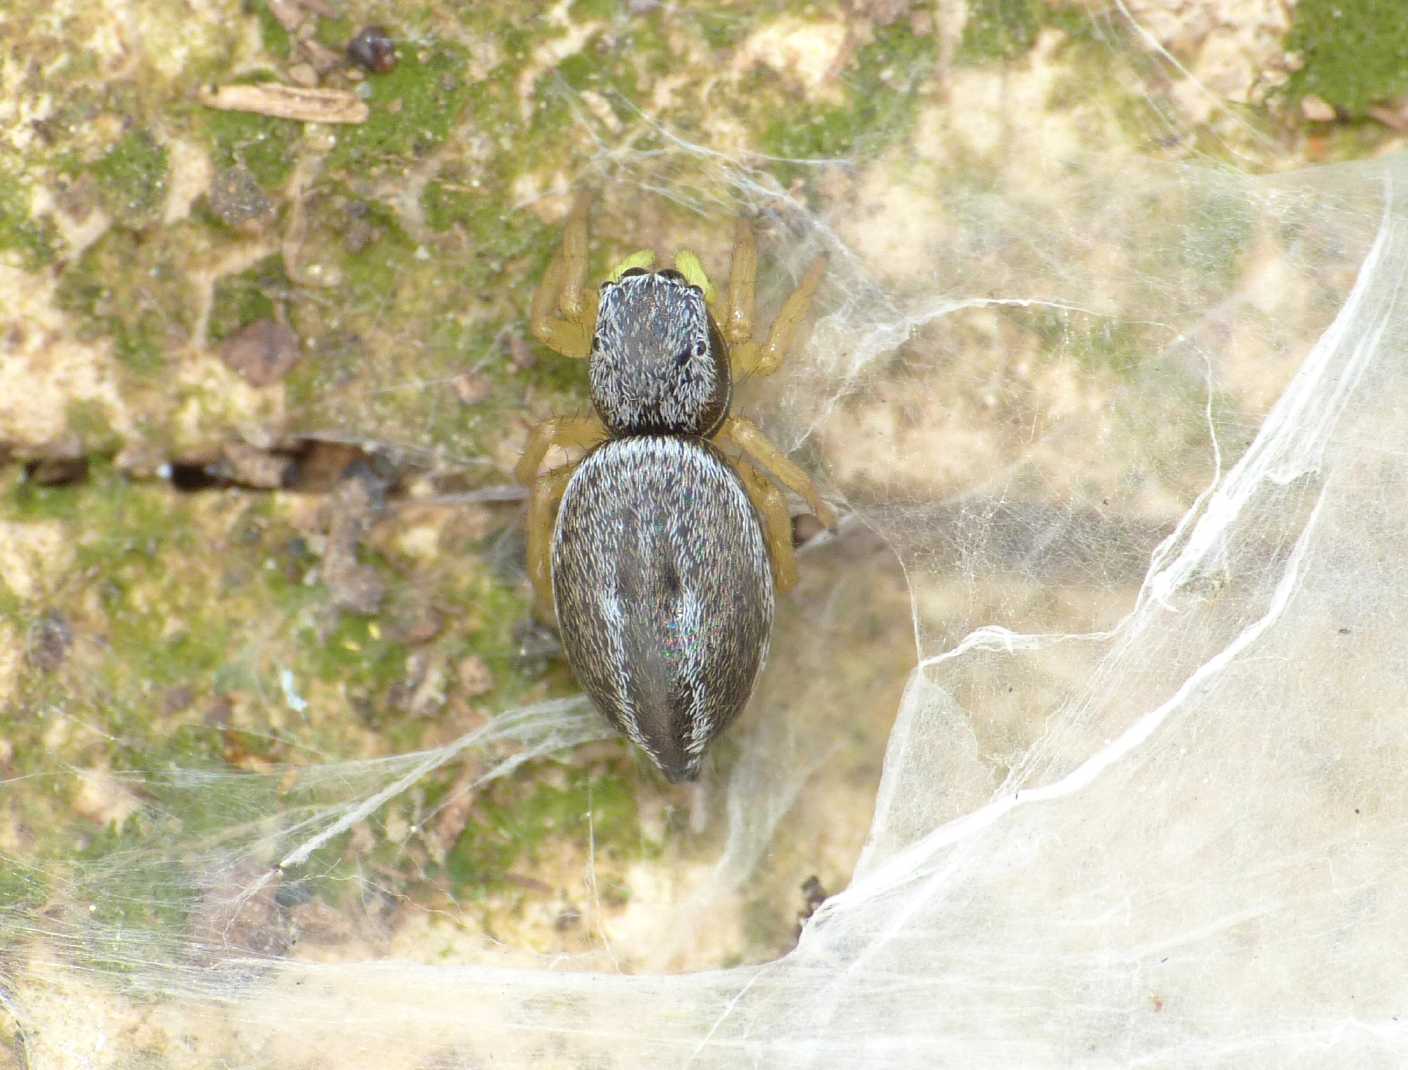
(658, 551)
(658, 363)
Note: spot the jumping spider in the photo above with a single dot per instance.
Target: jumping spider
(659, 549)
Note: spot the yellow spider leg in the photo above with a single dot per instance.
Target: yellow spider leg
(777, 524)
(794, 310)
(750, 358)
(574, 255)
(563, 291)
(542, 516)
(738, 433)
(742, 282)
(583, 431)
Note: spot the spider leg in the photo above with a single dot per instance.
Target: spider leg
(542, 516)
(563, 314)
(743, 435)
(784, 328)
(750, 357)
(742, 283)
(583, 431)
(777, 523)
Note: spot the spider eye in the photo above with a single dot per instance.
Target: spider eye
(697, 348)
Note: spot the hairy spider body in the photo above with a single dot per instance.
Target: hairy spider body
(659, 550)
(668, 636)
(659, 364)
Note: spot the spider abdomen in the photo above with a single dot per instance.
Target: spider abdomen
(663, 591)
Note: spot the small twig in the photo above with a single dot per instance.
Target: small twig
(288, 102)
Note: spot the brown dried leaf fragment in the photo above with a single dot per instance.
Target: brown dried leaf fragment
(263, 352)
(288, 102)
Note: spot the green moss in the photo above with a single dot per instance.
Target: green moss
(1074, 19)
(999, 30)
(203, 805)
(27, 500)
(185, 597)
(126, 882)
(516, 821)
(335, 33)
(267, 147)
(487, 611)
(880, 102)
(168, 623)
(21, 886)
(137, 344)
(132, 179)
(447, 204)
(380, 361)
(1094, 344)
(11, 604)
(398, 287)
(1222, 226)
(610, 64)
(359, 653)
(1355, 52)
(247, 297)
(134, 291)
(272, 34)
(590, 10)
(722, 32)
(172, 615)
(36, 241)
(91, 421)
(413, 109)
(163, 625)
(373, 267)
(161, 633)
(487, 226)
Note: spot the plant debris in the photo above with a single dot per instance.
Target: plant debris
(263, 352)
(288, 102)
